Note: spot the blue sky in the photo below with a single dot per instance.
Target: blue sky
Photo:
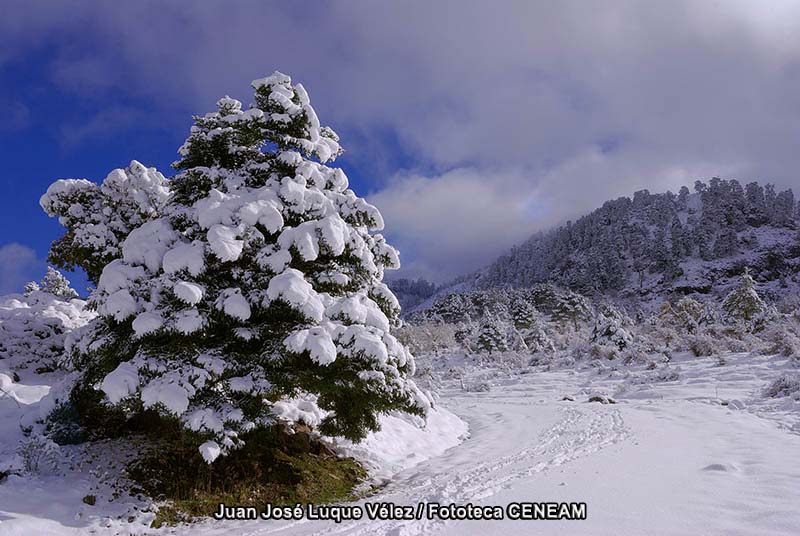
(470, 127)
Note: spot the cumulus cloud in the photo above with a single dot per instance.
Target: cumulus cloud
(18, 265)
(516, 115)
(453, 222)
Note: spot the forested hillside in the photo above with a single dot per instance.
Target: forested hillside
(689, 242)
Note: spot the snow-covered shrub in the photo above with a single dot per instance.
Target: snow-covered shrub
(99, 218)
(62, 425)
(787, 385)
(453, 373)
(686, 314)
(703, 345)
(745, 307)
(39, 454)
(600, 351)
(260, 283)
(655, 374)
(740, 343)
(789, 303)
(634, 355)
(665, 374)
(783, 339)
(477, 387)
(567, 339)
(33, 326)
(427, 337)
(612, 328)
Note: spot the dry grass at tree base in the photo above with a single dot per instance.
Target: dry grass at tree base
(275, 467)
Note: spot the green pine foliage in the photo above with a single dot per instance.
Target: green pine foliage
(743, 302)
(253, 294)
(491, 336)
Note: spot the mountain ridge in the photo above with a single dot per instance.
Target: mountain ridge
(649, 246)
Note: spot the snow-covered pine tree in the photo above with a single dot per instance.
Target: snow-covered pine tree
(571, 307)
(523, 313)
(260, 284)
(99, 218)
(611, 327)
(491, 336)
(537, 340)
(452, 309)
(727, 242)
(528, 323)
(743, 302)
(56, 284)
(464, 335)
(686, 314)
(33, 327)
(31, 287)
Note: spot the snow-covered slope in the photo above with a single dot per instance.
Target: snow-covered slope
(654, 245)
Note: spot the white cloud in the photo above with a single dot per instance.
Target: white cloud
(537, 111)
(453, 222)
(18, 265)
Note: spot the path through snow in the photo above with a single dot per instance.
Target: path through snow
(704, 454)
(668, 459)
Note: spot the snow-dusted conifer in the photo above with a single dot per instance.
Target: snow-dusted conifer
(529, 324)
(491, 336)
(743, 302)
(56, 284)
(31, 287)
(571, 307)
(99, 218)
(523, 313)
(686, 314)
(258, 293)
(452, 309)
(612, 327)
(536, 339)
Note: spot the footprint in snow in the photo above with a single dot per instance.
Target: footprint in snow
(721, 467)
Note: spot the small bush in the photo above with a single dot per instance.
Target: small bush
(784, 386)
(703, 345)
(634, 355)
(603, 351)
(785, 343)
(39, 454)
(478, 387)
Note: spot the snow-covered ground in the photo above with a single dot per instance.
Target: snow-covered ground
(705, 453)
